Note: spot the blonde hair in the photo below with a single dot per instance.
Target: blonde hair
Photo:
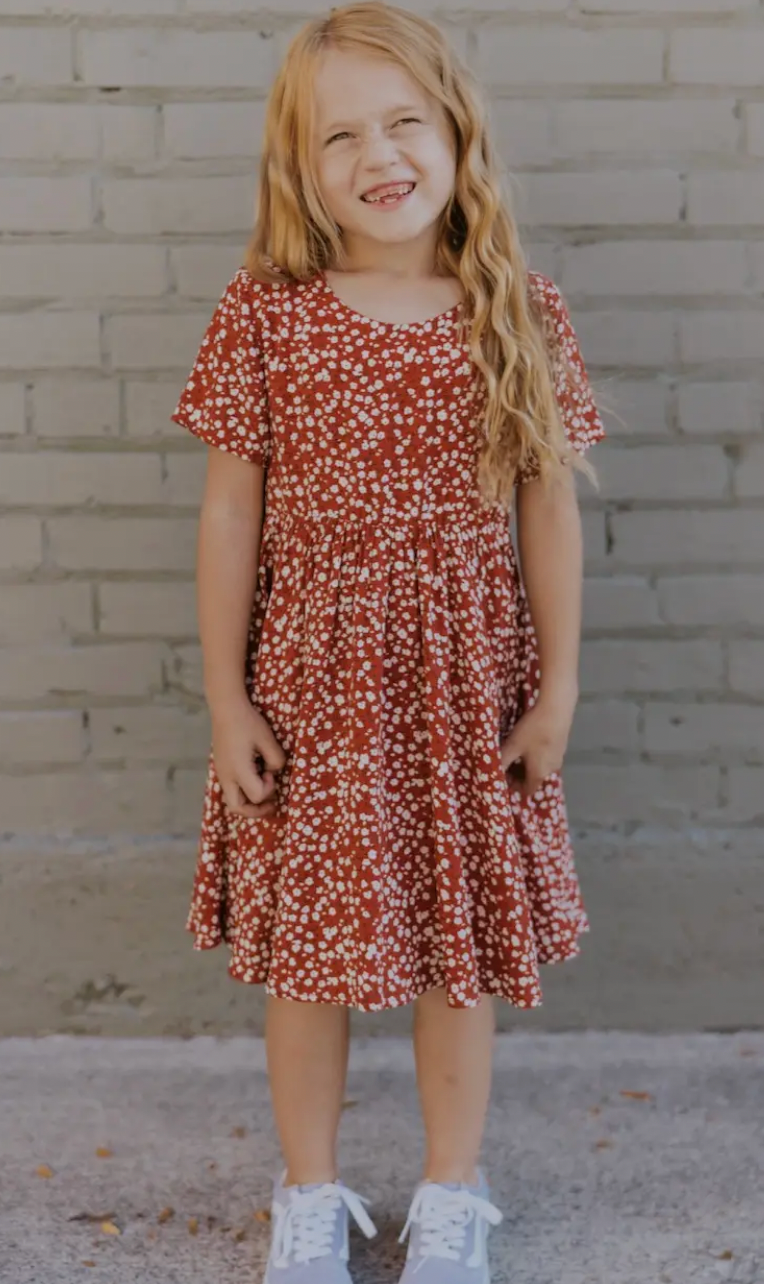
(511, 342)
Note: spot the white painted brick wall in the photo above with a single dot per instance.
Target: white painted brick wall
(633, 131)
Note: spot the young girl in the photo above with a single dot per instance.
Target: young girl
(384, 821)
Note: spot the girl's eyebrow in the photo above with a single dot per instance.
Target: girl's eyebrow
(391, 111)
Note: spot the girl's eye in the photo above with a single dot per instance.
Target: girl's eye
(342, 134)
(408, 120)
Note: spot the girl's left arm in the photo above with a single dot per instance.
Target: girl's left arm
(550, 545)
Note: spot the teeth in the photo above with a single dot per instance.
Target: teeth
(390, 192)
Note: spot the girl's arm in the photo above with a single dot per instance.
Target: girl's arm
(228, 555)
(551, 555)
(550, 545)
(230, 528)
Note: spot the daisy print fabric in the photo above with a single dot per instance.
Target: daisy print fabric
(391, 650)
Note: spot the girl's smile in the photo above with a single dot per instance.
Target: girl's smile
(387, 195)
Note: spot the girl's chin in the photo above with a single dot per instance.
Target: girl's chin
(394, 230)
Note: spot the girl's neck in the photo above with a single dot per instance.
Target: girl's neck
(410, 260)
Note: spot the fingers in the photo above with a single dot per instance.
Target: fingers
(512, 750)
(270, 749)
(253, 797)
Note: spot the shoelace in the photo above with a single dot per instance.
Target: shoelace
(304, 1229)
(443, 1217)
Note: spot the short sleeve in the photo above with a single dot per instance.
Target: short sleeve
(225, 401)
(575, 399)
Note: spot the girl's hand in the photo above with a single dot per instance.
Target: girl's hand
(240, 734)
(538, 742)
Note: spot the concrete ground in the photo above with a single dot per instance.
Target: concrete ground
(618, 1158)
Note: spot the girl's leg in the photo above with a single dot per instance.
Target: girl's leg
(453, 1049)
(307, 1047)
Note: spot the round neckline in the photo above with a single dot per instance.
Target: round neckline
(388, 325)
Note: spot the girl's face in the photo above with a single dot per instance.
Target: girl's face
(384, 152)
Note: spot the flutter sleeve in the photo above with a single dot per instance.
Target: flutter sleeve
(225, 401)
(580, 416)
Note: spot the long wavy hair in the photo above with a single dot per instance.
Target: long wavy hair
(510, 341)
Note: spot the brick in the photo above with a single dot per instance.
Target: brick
(20, 543)
(12, 410)
(664, 472)
(755, 123)
(185, 476)
(150, 404)
(749, 472)
(693, 538)
(166, 610)
(523, 131)
(725, 197)
(512, 55)
(655, 268)
(160, 733)
(542, 257)
(157, 206)
(606, 725)
(86, 803)
(42, 612)
(757, 265)
(86, 8)
(721, 336)
(642, 665)
(712, 601)
(186, 799)
(144, 342)
(417, 6)
(747, 674)
(621, 602)
(717, 56)
(703, 729)
(198, 131)
(48, 131)
(168, 58)
(128, 133)
(123, 543)
(638, 127)
(630, 338)
(37, 204)
(634, 407)
(721, 408)
(669, 6)
(203, 271)
(641, 793)
(82, 271)
(593, 526)
(36, 340)
(118, 669)
(598, 198)
(79, 408)
(37, 738)
(187, 669)
(746, 796)
(51, 478)
(36, 56)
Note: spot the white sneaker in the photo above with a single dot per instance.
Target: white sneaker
(310, 1233)
(449, 1227)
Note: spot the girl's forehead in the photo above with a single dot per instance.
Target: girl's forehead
(350, 85)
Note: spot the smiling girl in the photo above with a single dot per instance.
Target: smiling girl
(391, 698)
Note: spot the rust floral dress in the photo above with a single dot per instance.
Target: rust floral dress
(391, 651)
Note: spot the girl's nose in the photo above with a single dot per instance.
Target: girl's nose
(378, 150)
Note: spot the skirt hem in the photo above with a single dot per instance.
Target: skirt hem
(249, 975)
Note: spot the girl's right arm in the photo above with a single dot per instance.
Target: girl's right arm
(227, 564)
